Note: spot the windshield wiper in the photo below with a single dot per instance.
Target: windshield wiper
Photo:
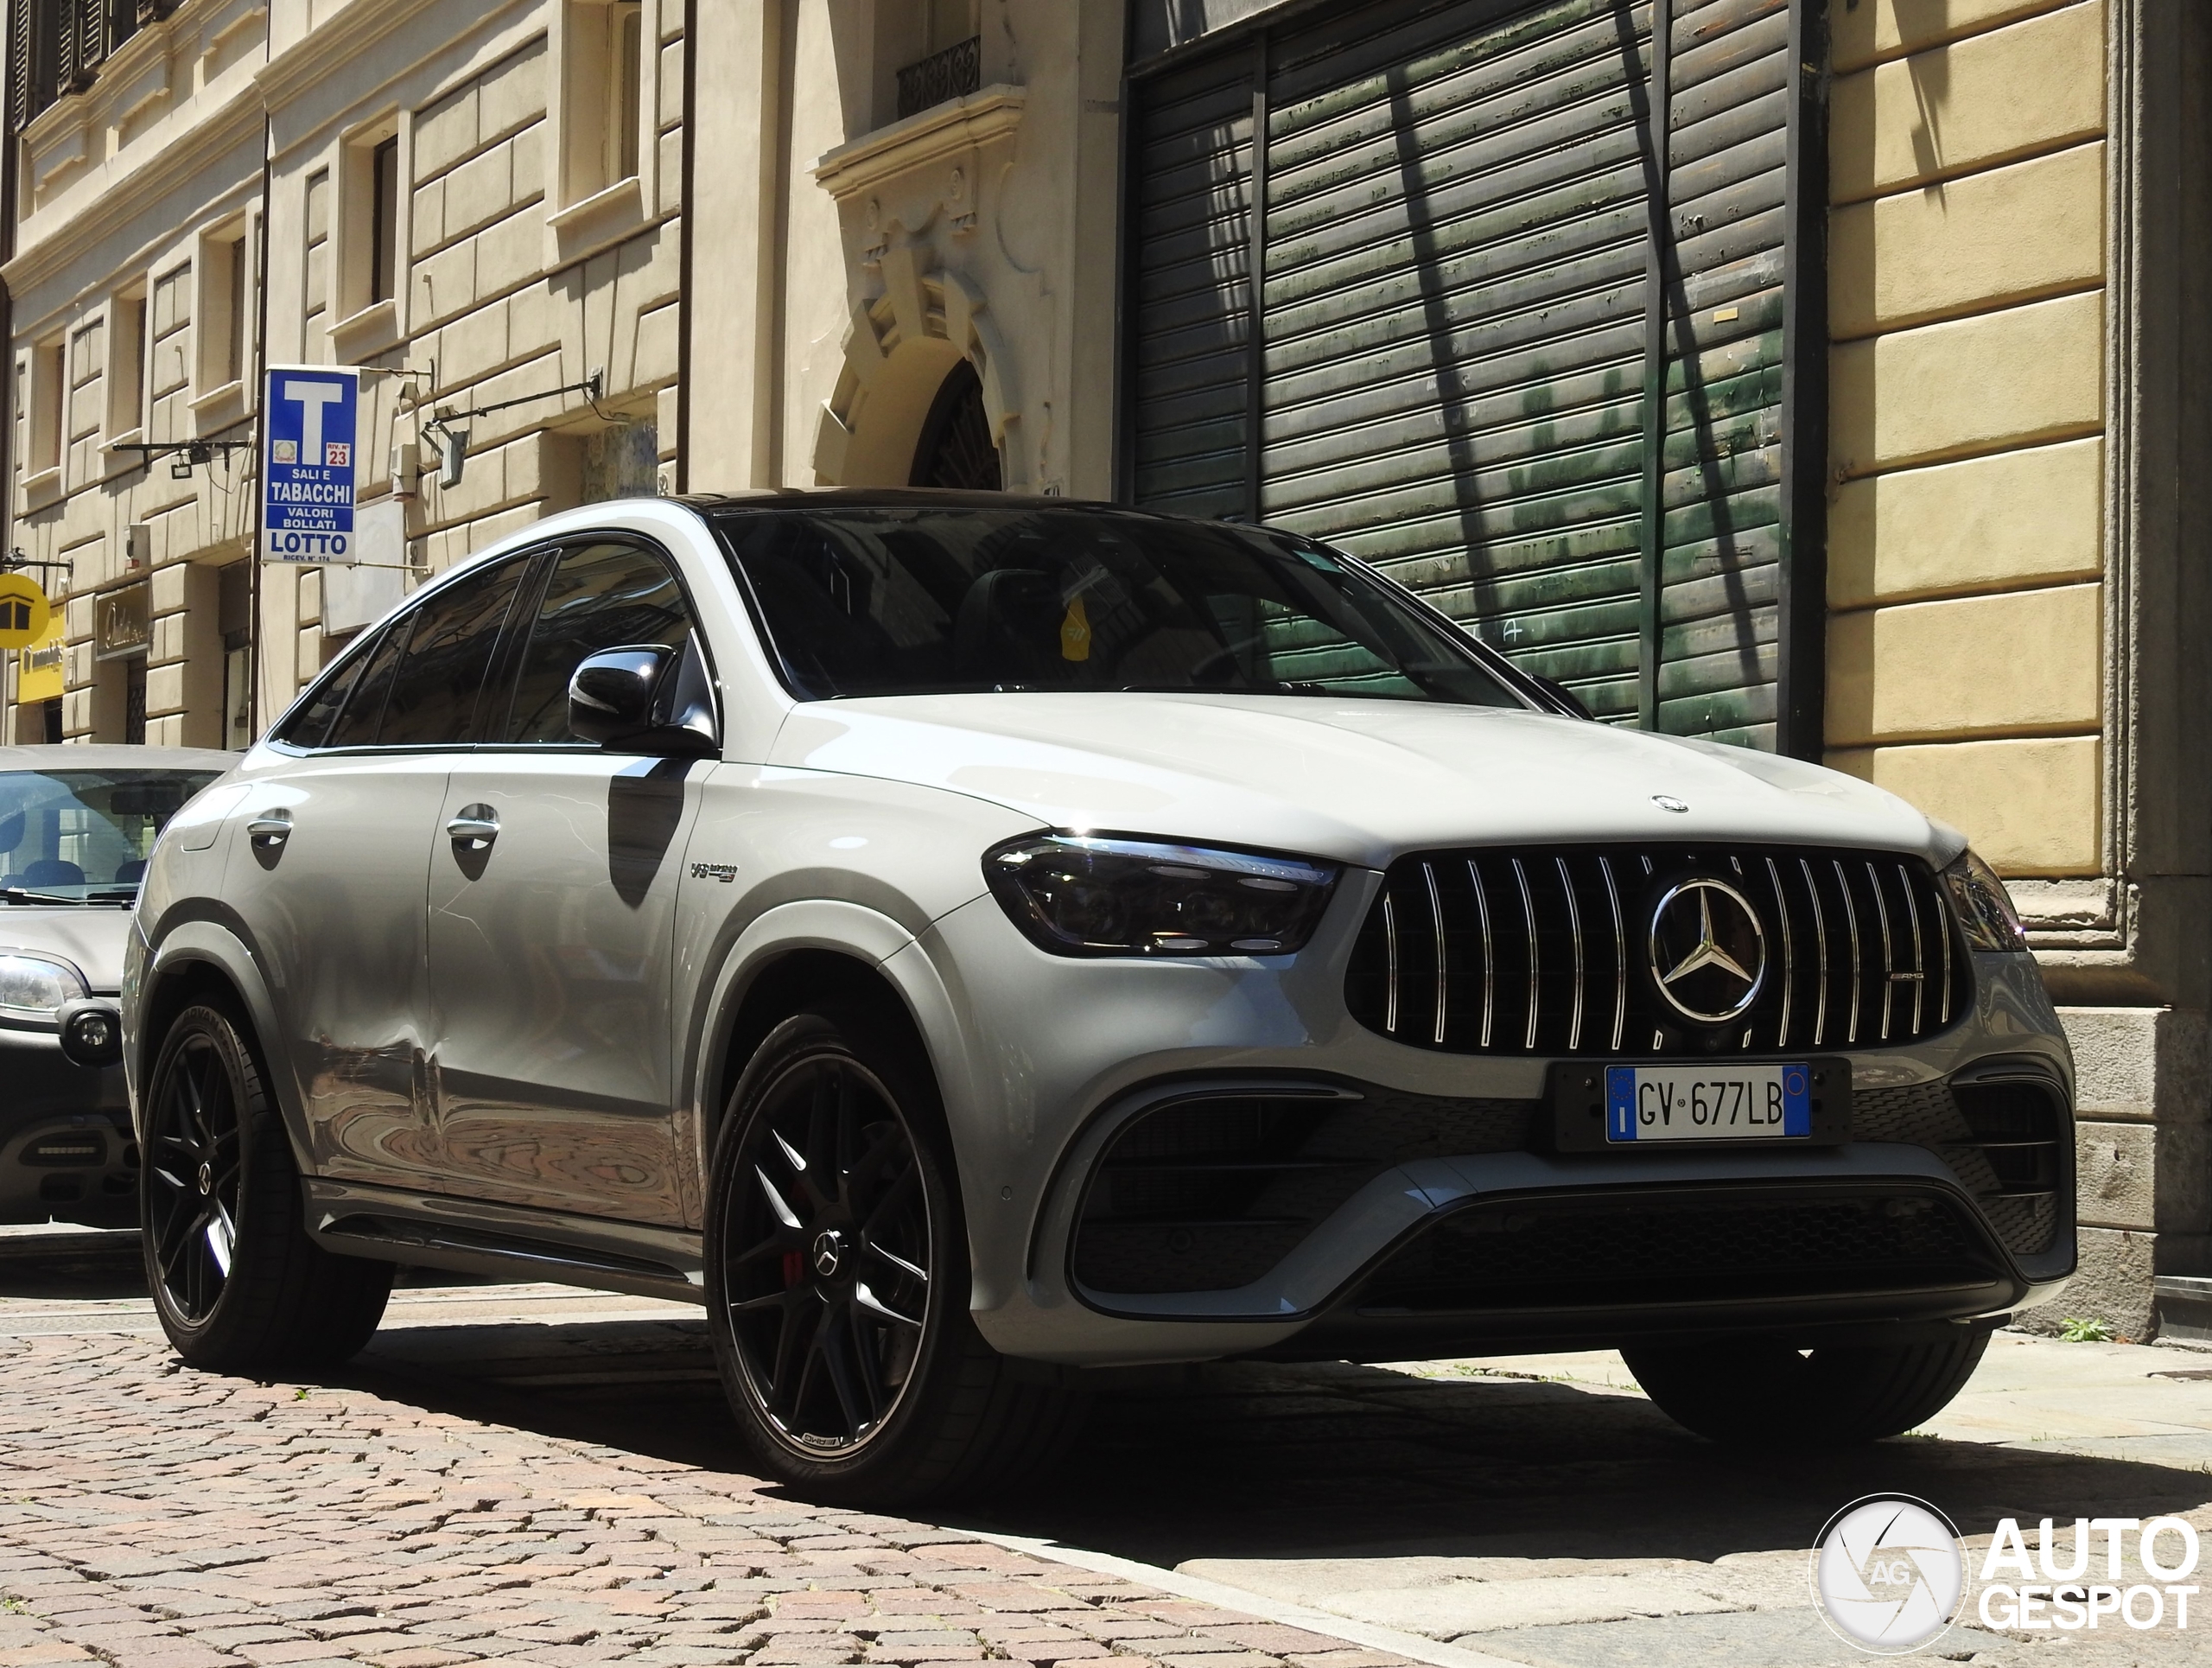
(21, 894)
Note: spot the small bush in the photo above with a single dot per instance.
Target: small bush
(2079, 1330)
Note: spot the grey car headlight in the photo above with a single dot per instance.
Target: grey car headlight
(32, 987)
(1985, 908)
(1084, 894)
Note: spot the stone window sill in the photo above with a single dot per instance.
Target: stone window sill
(368, 332)
(602, 215)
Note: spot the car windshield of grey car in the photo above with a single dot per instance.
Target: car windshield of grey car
(84, 836)
(942, 600)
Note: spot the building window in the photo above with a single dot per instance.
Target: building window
(54, 47)
(603, 82)
(50, 711)
(318, 263)
(86, 361)
(370, 264)
(49, 384)
(126, 366)
(172, 320)
(225, 308)
(950, 64)
(384, 219)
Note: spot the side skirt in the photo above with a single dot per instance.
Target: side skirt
(506, 1242)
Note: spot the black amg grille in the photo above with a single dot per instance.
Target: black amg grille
(2001, 1138)
(1208, 1193)
(1546, 951)
(1627, 1250)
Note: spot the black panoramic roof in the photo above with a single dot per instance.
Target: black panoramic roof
(894, 497)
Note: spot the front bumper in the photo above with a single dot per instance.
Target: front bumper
(66, 1150)
(1065, 1054)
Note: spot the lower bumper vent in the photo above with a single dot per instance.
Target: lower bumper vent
(1208, 1193)
(2001, 1137)
(1629, 1250)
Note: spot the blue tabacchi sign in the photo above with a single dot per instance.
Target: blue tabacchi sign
(307, 469)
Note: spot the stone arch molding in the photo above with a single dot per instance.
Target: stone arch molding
(899, 348)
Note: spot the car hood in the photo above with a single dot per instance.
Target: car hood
(1358, 780)
(92, 936)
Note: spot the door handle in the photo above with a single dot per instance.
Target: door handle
(269, 832)
(475, 828)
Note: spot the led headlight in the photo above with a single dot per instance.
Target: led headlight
(1985, 908)
(31, 987)
(1080, 894)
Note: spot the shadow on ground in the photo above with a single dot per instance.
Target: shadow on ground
(1264, 1461)
(1259, 1459)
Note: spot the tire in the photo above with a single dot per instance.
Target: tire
(1757, 1393)
(838, 1307)
(238, 1285)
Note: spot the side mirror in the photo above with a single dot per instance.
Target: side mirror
(648, 699)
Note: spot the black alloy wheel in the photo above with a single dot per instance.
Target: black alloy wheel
(192, 1176)
(837, 1278)
(828, 1284)
(236, 1281)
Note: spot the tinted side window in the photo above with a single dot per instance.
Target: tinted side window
(313, 723)
(363, 709)
(598, 596)
(432, 700)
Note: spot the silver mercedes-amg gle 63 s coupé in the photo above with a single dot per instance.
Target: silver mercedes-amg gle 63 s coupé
(967, 942)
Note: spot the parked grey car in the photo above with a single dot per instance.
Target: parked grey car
(967, 942)
(77, 825)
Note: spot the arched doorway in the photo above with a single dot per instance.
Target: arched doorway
(956, 450)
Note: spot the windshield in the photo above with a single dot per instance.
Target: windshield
(914, 601)
(71, 835)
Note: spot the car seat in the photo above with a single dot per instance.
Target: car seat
(1008, 630)
(52, 871)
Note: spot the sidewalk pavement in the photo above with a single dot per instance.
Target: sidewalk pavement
(546, 1477)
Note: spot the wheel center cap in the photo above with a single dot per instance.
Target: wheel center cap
(207, 1179)
(829, 1252)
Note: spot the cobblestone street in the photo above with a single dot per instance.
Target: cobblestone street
(543, 1477)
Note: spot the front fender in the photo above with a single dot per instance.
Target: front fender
(211, 944)
(848, 929)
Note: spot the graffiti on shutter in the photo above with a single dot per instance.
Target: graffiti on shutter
(1728, 88)
(1471, 269)
(1455, 275)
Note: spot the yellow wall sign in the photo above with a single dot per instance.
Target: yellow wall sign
(44, 663)
(23, 611)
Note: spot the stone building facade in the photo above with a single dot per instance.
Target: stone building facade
(1856, 384)
(475, 202)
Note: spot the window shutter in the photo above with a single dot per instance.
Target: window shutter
(21, 17)
(92, 36)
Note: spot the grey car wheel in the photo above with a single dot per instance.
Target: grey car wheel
(237, 1283)
(837, 1278)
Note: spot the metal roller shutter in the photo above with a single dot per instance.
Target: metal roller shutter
(1450, 314)
(1190, 224)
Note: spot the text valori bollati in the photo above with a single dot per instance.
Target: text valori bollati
(2063, 1585)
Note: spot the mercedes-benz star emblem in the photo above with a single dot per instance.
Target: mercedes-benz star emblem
(1708, 950)
(829, 1252)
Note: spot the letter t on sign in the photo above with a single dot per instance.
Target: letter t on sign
(311, 398)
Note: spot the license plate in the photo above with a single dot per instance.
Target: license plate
(1707, 1103)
